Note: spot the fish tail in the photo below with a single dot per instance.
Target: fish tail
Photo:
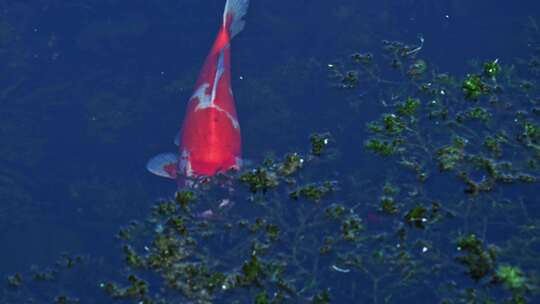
(235, 10)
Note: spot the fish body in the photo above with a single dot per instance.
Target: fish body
(209, 140)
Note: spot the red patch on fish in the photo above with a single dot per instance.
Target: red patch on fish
(210, 140)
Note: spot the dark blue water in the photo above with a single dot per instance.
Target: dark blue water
(90, 90)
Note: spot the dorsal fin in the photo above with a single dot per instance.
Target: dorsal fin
(220, 69)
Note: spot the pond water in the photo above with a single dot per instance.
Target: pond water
(392, 153)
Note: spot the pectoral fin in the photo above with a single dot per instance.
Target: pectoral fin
(164, 165)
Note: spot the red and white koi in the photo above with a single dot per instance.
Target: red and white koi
(209, 140)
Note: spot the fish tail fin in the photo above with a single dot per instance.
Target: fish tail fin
(235, 10)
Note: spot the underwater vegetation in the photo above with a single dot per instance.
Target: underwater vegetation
(452, 216)
(291, 238)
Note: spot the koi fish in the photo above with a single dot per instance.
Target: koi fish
(209, 141)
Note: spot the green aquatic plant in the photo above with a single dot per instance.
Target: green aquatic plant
(449, 157)
(319, 143)
(362, 58)
(313, 192)
(137, 290)
(409, 107)
(429, 122)
(474, 87)
(322, 298)
(351, 228)
(417, 217)
(388, 205)
(492, 68)
(293, 162)
(473, 113)
(261, 179)
(184, 198)
(417, 69)
(493, 144)
(15, 280)
(383, 147)
(349, 80)
(479, 261)
(512, 277)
